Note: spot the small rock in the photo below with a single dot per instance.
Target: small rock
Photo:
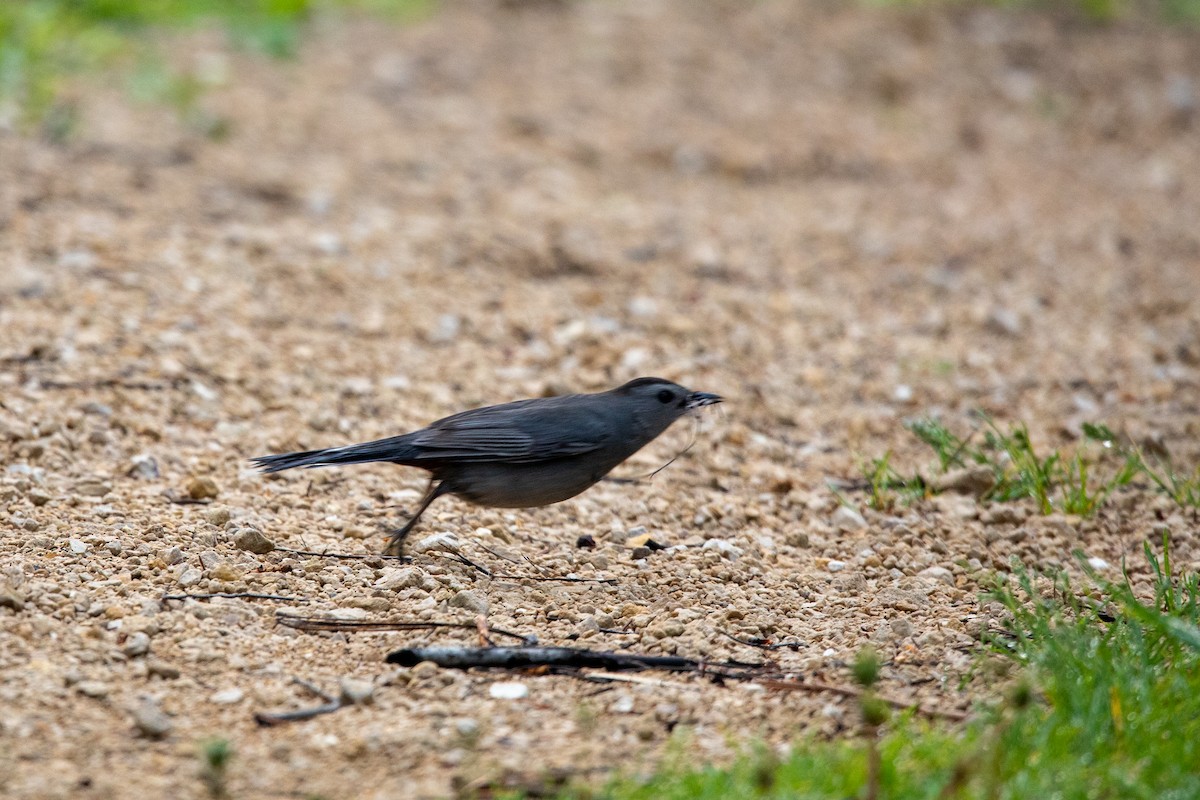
(356, 692)
(970, 480)
(217, 516)
(189, 576)
(797, 539)
(202, 488)
(143, 466)
(225, 571)
(402, 578)
(1002, 515)
(471, 601)
(847, 519)
(902, 628)
(253, 541)
(623, 704)
(171, 556)
(438, 541)
(726, 549)
(162, 669)
(227, 697)
(12, 596)
(39, 497)
(77, 546)
(425, 669)
(115, 547)
(640, 552)
(940, 574)
(97, 689)
(92, 489)
(835, 565)
(586, 541)
(1097, 563)
(209, 559)
(1004, 321)
(508, 690)
(150, 720)
(138, 644)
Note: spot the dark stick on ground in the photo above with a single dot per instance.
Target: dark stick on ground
(330, 705)
(562, 657)
(355, 556)
(234, 596)
(764, 644)
(369, 626)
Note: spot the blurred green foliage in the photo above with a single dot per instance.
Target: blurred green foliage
(45, 44)
(1173, 11)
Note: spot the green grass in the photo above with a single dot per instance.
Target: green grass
(1103, 702)
(46, 45)
(1076, 481)
(1099, 11)
(215, 757)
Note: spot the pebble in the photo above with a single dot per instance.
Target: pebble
(940, 574)
(97, 689)
(189, 576)
(227, 697)
(508, 690)
(622, 705)
(725, 548)
(77, 546)
(224, 571)
(138, 644)
(970, 480)
(150, 720)
(217, 516)
(202, 488)
(1002, 515)
(252, 541)
(640, 552)
(39, 497)
(355, 691)
(1097, 563)
(92, 489)
(143, 466)
(425, 669)
(438, 541)
(471, 601)
(11, 596)
(402, 578)
(846, 518)
(162, 669)
(171, 556)
(835, 566)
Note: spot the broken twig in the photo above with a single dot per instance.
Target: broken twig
(330, 705)
(234, 596)
(369, 626)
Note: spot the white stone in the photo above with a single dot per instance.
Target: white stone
(508, 690)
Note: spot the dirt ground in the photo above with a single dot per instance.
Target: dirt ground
(838, 218)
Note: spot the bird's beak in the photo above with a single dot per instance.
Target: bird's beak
(700, 399)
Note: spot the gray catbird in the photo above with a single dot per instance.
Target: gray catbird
(522, 454)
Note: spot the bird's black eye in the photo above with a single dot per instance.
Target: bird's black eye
(666, 396)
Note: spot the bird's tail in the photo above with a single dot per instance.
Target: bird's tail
(395, 449)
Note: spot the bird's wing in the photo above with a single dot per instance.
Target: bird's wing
(517, 433)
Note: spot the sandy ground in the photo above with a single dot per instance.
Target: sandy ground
(837, 218)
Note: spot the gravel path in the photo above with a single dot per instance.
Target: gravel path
(838, 219)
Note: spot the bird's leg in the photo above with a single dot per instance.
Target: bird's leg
(395, 545)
